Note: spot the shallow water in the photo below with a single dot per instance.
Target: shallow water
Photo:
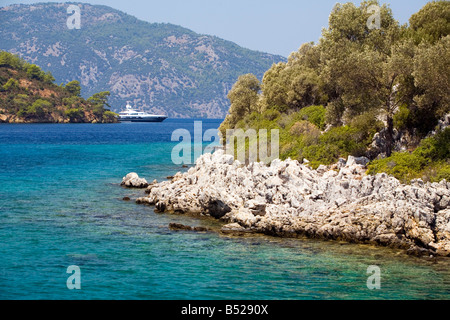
(61, 205)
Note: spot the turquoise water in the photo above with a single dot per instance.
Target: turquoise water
(61, 205)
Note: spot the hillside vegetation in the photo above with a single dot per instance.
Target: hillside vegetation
(28, 94)
(359, 91)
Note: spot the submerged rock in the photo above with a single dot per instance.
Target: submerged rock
(289, 198)
(182, 227)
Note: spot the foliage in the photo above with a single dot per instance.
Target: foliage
(37, 110)
(74, 114)
(109, 116)
(34, 72)
(315, 115)
(27, 93)
(11, 85)
(431, 23)
(73, 88)
(330, 98)
(430, 161)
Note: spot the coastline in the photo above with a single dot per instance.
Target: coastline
(289, 199)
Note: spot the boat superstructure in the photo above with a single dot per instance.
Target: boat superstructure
(132, 115)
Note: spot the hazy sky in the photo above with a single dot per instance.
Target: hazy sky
(274, 26)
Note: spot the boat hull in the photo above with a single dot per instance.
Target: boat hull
(138, 119)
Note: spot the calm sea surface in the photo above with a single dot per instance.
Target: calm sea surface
(61, 205)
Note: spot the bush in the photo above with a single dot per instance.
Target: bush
(346, 139)
(37, 110)
(304, 128)
(320, 154)
(366, 126)
(442, 172)
(271, 114)
(435, 148)
(404, 166)
(315, 115)
(109, 116)
(429, 161)
(402, 118)
(75, 114)
(11, 84)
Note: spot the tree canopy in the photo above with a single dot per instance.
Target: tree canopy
(386, 79)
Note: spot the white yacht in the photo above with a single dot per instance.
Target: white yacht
(132, 115)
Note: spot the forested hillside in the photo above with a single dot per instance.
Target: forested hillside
(28, 94)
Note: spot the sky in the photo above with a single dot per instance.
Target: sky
(273, 26)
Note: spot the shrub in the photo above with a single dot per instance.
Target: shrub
(11, 84)
(402, 118)
(109, 116)
(346, 139)
(402, 165)
(436, 147)
(271, 114)
(366, 125)
(37, 110)
(442, 172)
(320, 154)
(304, 127)
(429, 161)
(75, 114)
(315, 115)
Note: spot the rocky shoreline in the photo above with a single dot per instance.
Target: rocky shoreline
(290, 199)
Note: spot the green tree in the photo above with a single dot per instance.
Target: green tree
(37, 110)
(357, 64)
(48, 78)
(432, 79)
(73, 88)
(295, 84)
(10, 60)
(244, 97)
(432, 22)
(109, 116)
(21, 101)
(75, 114)
(98, 102)
(34, 72)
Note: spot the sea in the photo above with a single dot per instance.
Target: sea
(63, 221)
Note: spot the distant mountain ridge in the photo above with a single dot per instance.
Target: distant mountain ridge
(160, 68)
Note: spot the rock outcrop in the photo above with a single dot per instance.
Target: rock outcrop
(290, 199)
(132, 180)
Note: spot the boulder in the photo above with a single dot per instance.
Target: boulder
(132, 180)
(352, 161)
(234, 228)
(214, 206)
(257, 207)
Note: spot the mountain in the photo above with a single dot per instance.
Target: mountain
(160, 68)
